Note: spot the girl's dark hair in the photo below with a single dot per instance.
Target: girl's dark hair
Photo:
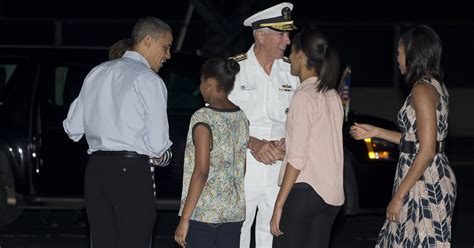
(423, 54)
(322, 56)
(223, 70)
(117, 50)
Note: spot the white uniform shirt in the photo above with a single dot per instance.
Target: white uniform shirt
(264, 98)
(121, 107)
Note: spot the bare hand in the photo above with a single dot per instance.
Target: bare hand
(156, 161)
(280, 144)
(265, 151)
(280, 148)
(181, 232)
(363, 131)
(275, 222)
(394, 209)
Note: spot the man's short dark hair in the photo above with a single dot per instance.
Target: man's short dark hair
(149, 26)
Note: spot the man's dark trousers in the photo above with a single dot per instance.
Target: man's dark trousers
(119, 200)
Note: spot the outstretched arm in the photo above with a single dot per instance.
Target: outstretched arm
(364, 131)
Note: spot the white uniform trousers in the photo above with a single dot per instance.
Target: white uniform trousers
(261, 190)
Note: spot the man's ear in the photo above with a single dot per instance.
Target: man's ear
(260, 35)
(147, 41)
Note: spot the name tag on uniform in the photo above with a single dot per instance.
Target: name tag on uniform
(247, 87)
(286, 87)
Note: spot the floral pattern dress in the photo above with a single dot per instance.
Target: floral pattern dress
(222, 199)
(426, 214)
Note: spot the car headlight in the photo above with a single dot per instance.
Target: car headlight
(380, 149)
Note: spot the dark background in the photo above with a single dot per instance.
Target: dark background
(336, 10)
(365, 32)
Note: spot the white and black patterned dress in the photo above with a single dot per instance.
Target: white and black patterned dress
(426, 214)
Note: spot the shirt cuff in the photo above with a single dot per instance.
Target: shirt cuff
(164, 160)
(298, 162)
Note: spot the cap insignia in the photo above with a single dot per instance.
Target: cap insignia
(286, 13)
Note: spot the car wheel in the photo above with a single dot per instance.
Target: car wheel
(351, 192)
(9, 211)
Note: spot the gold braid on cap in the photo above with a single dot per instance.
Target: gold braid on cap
(276, 24)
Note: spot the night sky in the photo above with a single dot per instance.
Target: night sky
(317, 10)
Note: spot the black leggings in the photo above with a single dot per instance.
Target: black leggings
(306, 220)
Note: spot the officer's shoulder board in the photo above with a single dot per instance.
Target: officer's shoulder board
(239, 57)
(286, 59)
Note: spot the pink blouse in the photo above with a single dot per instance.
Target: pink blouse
(314, 140)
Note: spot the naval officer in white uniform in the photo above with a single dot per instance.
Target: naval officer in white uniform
(263, 90)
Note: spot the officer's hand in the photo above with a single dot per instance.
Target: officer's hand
(264, 151)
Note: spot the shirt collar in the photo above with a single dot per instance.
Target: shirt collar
(136, 56)
(253, 59)
(311, 80)
(251, 55)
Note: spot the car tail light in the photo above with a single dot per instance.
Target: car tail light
(380, 149)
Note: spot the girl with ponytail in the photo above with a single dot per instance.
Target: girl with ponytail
(213, 200)
(311, 179)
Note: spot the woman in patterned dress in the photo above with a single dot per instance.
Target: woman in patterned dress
(421, 209)
(213, 200)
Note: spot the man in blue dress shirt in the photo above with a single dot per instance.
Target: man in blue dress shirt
(121, 109)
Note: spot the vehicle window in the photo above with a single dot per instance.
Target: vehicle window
(67, 83)
(183, 91)
(11, 69)
(6, 72)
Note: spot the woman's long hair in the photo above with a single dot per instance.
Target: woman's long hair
(423, 54)
(321, 55)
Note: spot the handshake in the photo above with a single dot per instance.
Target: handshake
(267, 152)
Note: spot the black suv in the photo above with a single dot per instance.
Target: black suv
(40, 167)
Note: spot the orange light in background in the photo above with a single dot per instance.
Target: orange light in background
(384, 155)
(370, 149)
(372, 153)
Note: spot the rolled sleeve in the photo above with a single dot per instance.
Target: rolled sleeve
(164, 160)
(73, 124)
(298, 129)
(152, 94)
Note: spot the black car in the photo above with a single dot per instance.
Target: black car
(40, 167)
